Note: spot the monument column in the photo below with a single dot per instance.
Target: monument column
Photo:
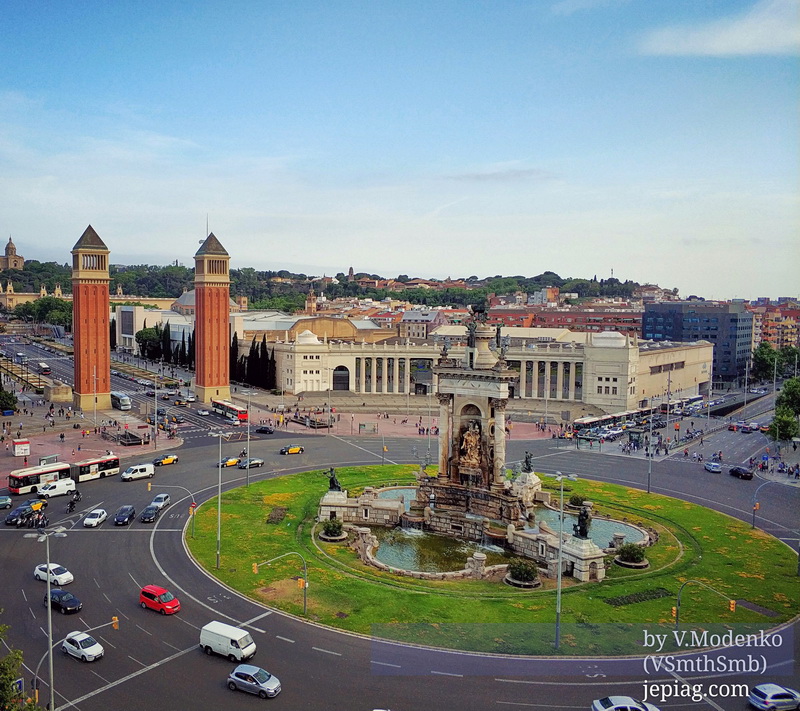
(445, 427)
(90, 323)
(212, 316)
(560, 380)
(571, 394)
(498, 475)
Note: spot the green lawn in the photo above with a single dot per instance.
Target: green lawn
(694, 544)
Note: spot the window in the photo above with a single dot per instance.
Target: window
(614, 390)
(599, 389)
(606, 390)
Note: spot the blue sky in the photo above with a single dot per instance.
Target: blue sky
(654, 138)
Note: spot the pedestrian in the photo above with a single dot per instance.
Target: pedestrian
(73, 452)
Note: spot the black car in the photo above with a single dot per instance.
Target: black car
(741, 473)
(63, 601)
(265, 429)
(161, 412)
(124, 515)
(150, 514)
(19, 516)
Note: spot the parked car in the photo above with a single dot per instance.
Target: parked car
(150, 514)
(95, 518)
(228, 462)
(160, 599)
(63, 601)
(713, 467)
(254, 680)
(166, 459)
(740, 472)
(774, 696)
(251, 463)
(265, 429)
(161, 501)
(621, 703)
(125, 514)
(59, 575)
(292, 449)
(82, 646)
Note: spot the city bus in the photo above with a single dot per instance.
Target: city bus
(31, 479)
(44, 369)
(120, 400)
(229, 410)
(97, 468)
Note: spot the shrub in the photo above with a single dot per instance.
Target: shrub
(332, 527)
(631, 553)
(576, 500)
(523, 570)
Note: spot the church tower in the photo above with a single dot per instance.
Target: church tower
(90, 323)
(212, 316)
(311, 302)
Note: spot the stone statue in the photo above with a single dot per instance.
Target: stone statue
(581, 529)
(333, 482)
(527, 467)
(471, 328)
(471, 445)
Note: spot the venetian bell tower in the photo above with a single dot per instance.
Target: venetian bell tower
(90, 323)
(212, 316)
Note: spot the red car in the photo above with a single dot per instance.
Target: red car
(158, 598)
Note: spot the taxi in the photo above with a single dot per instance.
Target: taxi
(229, 462)
(166, 459)
(180, 403)
(292, 449)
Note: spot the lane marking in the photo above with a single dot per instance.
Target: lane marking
(285, 639)
(326, 651)
(441, 673)
(386, 664)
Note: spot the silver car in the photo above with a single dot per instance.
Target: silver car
(254, 680)
(773, 696)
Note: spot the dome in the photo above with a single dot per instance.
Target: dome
(307, 337)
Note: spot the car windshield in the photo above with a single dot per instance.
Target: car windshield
(245, 641)
(166, 597)
(66, 597)
(262, 675)
(89, 641)
(59, 570)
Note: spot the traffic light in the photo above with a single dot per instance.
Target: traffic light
(756, 506)
(255, 568)
(732, 605)
(115, 622)
(674, 611)
(149, 485)
(301, 583)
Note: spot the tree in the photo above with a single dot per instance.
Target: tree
(113, 334)
(764, 358)
(523, 570)
(631, 553)
(784, 425)
(149, 341)
(10, 671)
(8, 401)
(790, 396)
(233, 360)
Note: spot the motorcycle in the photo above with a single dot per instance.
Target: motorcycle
(70, 507)
(77, 496)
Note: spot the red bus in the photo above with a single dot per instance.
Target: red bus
(229, 410)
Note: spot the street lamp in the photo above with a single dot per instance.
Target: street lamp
(256, 566)
(249, 415)
(558, 476)
(57, 532)
(755, 505)
(220, 436)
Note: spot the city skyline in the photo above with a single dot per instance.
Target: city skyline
(657, 139)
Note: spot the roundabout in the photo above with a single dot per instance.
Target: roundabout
(275, 517)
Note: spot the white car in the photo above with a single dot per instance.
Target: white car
(191, 398)
(161, 501)
(621, 703)
(774, 697)
(203, 413)
(82, 646)
(59, 575)
(95, 518)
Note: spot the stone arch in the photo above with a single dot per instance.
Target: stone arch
(341, 378)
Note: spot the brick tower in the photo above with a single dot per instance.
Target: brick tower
(212, 316)
(90, 323)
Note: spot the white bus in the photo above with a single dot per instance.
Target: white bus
(44, 369)
(121, 401)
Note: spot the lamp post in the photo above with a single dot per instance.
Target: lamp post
(256, 566)
(558, 476)
(755, 504)
(248, 393)
(58, 532)
(220, 436)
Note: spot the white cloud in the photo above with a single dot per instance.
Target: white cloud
(770, 27)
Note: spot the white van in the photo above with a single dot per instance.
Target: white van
(138, 471)
(232, 642)
(60, 487)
